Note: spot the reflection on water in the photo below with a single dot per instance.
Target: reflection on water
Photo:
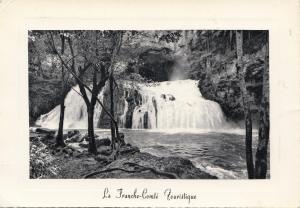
(219, 153)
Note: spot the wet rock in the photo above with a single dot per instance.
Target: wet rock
(105, 150)
(84, 144)
(73, 133)
(146, 120)
(45, 131)
(171, 97)
(68, 151)
(33, 138)
(102, 142)
(47, 139)
(73, 139)
(129, 150)
(86, 137)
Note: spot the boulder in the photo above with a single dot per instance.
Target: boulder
(86, 137)
(171, 97)
(103, 142)
(74, 138)
(67, 150)
(84, 144)
(129, 150)
(104, 150)
(73, 133)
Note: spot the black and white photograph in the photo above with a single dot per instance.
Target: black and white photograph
(136, 103)
(149, 104)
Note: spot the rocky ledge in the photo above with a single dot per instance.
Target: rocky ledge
(74, 161)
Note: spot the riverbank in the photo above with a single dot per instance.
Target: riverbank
(74, 161)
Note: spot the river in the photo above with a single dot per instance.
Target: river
(219, 153)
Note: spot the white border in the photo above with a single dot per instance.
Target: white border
(282, 190)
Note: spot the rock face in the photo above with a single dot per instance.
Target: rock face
(44, 95)
(156, 64)
(127, 94)
(217, 73)
(224, 88)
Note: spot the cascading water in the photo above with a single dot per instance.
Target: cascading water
(176, 104)
(122, 118)
(75, 112)
(165, 105)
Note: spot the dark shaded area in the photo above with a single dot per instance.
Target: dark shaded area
(219, 80)
(156, 64)
(44, 95)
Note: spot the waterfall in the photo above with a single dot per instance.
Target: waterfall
(75, 112)
(123, 116)
(164, 105)
(176, 104)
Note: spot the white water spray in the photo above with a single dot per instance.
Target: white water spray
(123, 116)
(75, 112)
(165, 105)
(176, 105)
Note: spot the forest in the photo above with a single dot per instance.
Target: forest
(135, 104)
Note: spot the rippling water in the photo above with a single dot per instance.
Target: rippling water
(219, 153)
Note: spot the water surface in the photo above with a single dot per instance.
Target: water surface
(219, 153)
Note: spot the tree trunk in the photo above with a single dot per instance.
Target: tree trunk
(113, 122)
(91, 135)
(112, 125)
(248, 142)
(59, 137)
(264, 126)
(246, 104)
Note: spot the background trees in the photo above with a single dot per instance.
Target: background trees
(261, 160)
(89, 60)
(246, 103)
(259, 169)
